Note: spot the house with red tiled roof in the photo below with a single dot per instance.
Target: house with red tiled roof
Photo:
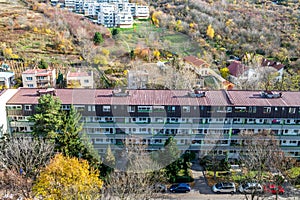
(80, 79)
(240, 73)
(196, 64)
(39, 78)
(273, 64)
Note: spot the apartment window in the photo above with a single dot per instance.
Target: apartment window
(144, 108)
(229, 109)
(220, 109)
(91, 108)
(17, 107)
(250, 109)
(106, 108)
(171, 108)
(292, 110)
(28, 107)
(30, 85)
(131, 109)
(86, 81)
(79, 107)
(267, 109)
(186, 109)
(240, 109)
(158, 108)
(29, 78)
(41, 77)
(254, 109)
(65, 107)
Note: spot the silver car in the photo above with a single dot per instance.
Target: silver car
(250, 188)
(224, 187)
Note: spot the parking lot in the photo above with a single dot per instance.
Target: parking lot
(201, 190)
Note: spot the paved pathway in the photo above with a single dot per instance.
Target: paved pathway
(201, 185)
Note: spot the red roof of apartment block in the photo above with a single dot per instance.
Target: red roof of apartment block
(159, 97)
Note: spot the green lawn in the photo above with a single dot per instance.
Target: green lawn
(145, 34)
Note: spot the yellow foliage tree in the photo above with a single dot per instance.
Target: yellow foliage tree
(154, 18)
(35, 29)
(47, 31)
(224, 72)
(7, 52)
(68, 178)
(178, 25)
(192, 25)
(156, 54)
(105, 52)
(229, 22)
(210, 32)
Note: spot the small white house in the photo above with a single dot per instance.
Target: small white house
(39, 78)
(7, 79)
(80, 79)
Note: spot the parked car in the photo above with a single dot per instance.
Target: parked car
(250, 188)
(224, 187)
(181, 187)
(272, 188)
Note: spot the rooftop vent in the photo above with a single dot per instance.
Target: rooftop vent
(270, 94)
(120, 93)
(51, 91)
(196, 93)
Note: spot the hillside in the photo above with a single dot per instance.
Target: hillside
(31, 31)
(240, 27)
(211, 30)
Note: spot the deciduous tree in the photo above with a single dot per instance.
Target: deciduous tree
(263, 157)
(210, 32)
(68, 178)
(138, 176)
(21, 160)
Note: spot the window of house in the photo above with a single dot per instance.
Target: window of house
(79, 107)
(131, 108)
(254, 109)
(40, 78)
(292, 110)
(29, 78)
(229, 109)
(15, 107)
(65, 107)
(158, 108)
(267, 110)
(91, 108)
(28, 107)
(221, 109)
(144, 108)
(86, 81)
(250, 109)
(30, 85)
(106, 108)
(171, 108)
(240, 109)
(186, 109)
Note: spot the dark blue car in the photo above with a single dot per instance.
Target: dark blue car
(181, 187)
